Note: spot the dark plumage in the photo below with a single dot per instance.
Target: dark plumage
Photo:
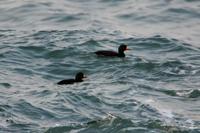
(79, 78)
(120, 52)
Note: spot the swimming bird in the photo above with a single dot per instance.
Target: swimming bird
(120, 52)
(79, 78)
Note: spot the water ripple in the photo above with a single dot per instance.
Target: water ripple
(155, 88)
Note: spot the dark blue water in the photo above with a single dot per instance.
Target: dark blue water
(155, 89)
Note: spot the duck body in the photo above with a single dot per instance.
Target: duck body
(67, 81)
(79, 78)
(108, 53)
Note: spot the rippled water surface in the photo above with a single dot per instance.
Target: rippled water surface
(154, 89)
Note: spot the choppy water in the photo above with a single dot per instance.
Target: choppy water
(154, 89)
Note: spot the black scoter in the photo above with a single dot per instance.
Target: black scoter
(120, 52)
(79, 78)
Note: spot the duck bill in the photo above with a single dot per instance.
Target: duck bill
(127, 49)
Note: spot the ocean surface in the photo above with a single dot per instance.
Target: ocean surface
(154, 89)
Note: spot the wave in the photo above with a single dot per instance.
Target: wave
(118, 124)
(63, 17)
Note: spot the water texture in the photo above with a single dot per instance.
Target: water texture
(155, 89)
